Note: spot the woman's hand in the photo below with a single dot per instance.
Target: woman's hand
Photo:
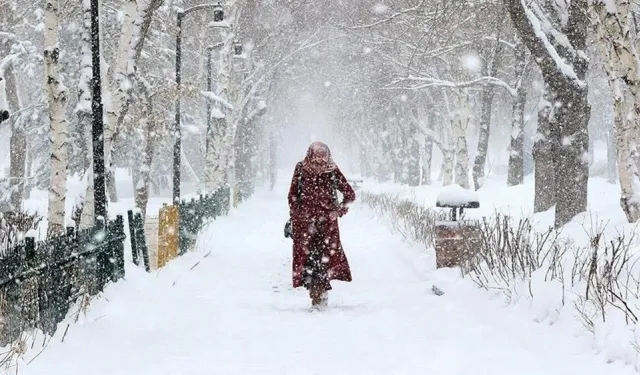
(340, 212)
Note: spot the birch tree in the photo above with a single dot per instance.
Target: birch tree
(83, 111)
(489, 69)
(460, 125)
(617, 38)
(18, 139)
(137, 17)
(56, 98)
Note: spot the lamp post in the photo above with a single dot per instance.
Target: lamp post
(97, 128)
(177, 147)
(4, 116)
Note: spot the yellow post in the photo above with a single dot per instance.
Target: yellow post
(168, 234)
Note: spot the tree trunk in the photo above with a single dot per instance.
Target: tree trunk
(17, 142)
(488, 92)
(83, 109)
(428, 156)
(483, 137)
(142, 186)
(615, 29)
(273, 165)
(215, 161)
(571, 140)
(447, 166)
(564, 74)
(413, 162)
(515, 175)
(462, 154)
(56, 99)
(626, 137)
(612, 152)
(544, 176)
(120, 90)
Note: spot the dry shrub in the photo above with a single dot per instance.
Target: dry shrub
(14, 225)
(602, 275)
(512, 250)
(610, 274)
(413, 221)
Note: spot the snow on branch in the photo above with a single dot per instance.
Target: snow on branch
(542, 43)
(390, 18)
(546, 25)
(215, 98)
(487, 80)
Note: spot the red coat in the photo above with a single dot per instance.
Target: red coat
(317, 202)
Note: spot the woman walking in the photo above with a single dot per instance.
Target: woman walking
(314, 209)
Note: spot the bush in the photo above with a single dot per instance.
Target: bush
(599, 278)
(14, 225)
(413, 221)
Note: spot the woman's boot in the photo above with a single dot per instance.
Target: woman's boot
(324, 299)
(316, 296)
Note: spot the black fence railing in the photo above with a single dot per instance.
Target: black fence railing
(39, 281)
(194, 213)
(138, 241)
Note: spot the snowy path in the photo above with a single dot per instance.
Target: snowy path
(235, 313)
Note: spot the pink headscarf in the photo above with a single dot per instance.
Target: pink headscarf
(318, 159)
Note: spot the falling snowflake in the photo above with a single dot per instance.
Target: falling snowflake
(380, 8)
(472, 63)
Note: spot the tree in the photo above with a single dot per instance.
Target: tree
(515, 173)
(561, 57)
(617, 39)
(56, 98)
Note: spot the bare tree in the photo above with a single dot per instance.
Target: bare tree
(560, 54)
(515, 174)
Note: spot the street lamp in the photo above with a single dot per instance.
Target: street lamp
(177, 147)
(237, 48)
(97, 124)
(218, 13)
(4, 116)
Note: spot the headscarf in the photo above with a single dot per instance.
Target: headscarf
(318, 159)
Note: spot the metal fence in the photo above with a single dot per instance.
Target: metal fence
(195, 212)
(39, 281)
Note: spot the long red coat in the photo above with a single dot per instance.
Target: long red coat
(316, 202)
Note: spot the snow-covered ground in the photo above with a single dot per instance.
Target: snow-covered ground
(228, 308)
(557, 301)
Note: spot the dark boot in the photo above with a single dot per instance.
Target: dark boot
(315, 294)
(324, 299)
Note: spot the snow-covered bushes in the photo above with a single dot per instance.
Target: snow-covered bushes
(593, 285)
(411, 220)
(14, 225)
